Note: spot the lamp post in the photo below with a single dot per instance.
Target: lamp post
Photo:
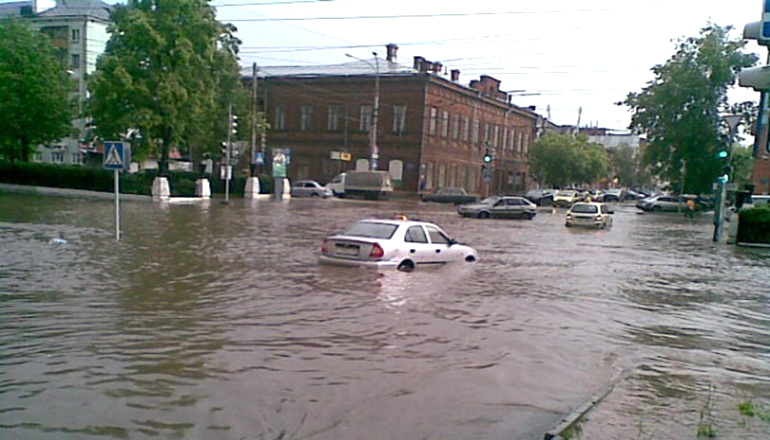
(374, 152)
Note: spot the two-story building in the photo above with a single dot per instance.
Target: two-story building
(432, 131)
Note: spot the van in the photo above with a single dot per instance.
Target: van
(371, 185)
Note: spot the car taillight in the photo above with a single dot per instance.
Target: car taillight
(376, 251)
(325, 246)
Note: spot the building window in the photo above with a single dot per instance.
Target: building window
(432, 121)
(455, 131)
(333, 124)
(76, 158)
(466, 129)
(444, 124)
(488, 134)
(280, 117)
(57, 157)
(519, 137)
(399, 119)
(75, 61)
(525, 145)
(495, 134)
(365, 118)
(75, 34)
(475, 131)
(38, 157)
(306, 118)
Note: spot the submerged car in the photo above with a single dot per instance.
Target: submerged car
(500, 207)
(401, 244)
(450, 195)
(595, 215)
(661, 203)
(310, 188)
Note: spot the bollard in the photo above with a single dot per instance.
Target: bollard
(160, 189)
(203, 188)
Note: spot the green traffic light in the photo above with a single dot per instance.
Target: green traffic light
(487, 159)
(723, 154)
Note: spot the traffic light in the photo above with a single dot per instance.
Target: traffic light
(488, 156)
(723, 154)
(234, 125)
(224, 148)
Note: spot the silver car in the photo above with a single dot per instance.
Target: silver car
(500, 207)
(401, 244)
(309, 188)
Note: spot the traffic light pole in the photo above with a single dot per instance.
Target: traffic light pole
(227, 151)
(719, 213)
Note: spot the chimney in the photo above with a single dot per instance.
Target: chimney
(437, 66)
(455, 75)
(419, 64)
(391, 49)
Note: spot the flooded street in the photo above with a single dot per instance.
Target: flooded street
(216, 322)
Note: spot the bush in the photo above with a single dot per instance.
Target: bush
(97, 179)
(754, 224)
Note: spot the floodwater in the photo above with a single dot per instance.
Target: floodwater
(216, 322)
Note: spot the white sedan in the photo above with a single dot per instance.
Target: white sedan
(402, 244)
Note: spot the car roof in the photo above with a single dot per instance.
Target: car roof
(397, 222)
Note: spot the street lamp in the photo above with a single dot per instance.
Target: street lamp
(375, 111)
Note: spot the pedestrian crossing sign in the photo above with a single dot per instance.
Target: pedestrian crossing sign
(114, 156)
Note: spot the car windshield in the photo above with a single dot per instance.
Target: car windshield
(490, 200)
(371, 230)
(585, 209)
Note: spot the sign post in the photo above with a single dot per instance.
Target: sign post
(116, 158)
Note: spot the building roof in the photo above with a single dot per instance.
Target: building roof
(354, 68)
(78, 8)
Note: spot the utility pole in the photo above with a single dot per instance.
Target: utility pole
(228, 147)
(375, 114)
(254, 118)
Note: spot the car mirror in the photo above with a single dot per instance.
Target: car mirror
(452, 241)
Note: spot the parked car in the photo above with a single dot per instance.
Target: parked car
(661, 203)
(611, 195)
(540, 197)
(310, 188)
(402, 244)
(500, 207)
(595, 215)
(566, 198)
(450, 195)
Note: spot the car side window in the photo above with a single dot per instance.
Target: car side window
(415, 234)
(436, 236)
(514, 202)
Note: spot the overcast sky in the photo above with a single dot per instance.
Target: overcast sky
(572, 53)
(565, 55)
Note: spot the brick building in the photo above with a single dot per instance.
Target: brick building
(432, 131)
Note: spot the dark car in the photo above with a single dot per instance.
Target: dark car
(457, 196)
(540, 197)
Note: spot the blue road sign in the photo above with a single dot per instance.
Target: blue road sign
(114, 156)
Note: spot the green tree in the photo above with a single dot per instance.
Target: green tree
(680, 109)
(742, 161)
(560, 160)
(167, 77)
(35, 87)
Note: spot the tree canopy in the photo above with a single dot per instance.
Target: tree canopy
(35, 87)
(681, 109)
(560, 160)
(167, 77)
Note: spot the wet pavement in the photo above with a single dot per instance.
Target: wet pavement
(216, 322)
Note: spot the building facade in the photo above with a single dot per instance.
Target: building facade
(432, 131)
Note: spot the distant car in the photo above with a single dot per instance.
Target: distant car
(566, 198)
(595, 215)
(400, 244)
(450, 195)
(661, 203)
(500, 207)
(540, 197)
(310, 188)
(611, 195)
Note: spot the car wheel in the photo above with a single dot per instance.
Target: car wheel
(470, 259)
(529, 216)
(483, 214)
(314, 195)
(656, 209)
(406, 266)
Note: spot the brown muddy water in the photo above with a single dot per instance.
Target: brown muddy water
(216, 322)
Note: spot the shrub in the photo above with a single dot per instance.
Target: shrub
(754, 224)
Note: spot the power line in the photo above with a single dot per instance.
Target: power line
(291, 2)
(442, 15)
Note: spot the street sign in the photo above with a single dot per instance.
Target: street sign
(115, 156)
(765, 30)
(345, 157)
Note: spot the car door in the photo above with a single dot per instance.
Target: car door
(418, 246)
(515, 208)
(441, 246)
(499, 209)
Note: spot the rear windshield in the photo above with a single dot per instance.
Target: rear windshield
(585, 209)
(371, 230)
